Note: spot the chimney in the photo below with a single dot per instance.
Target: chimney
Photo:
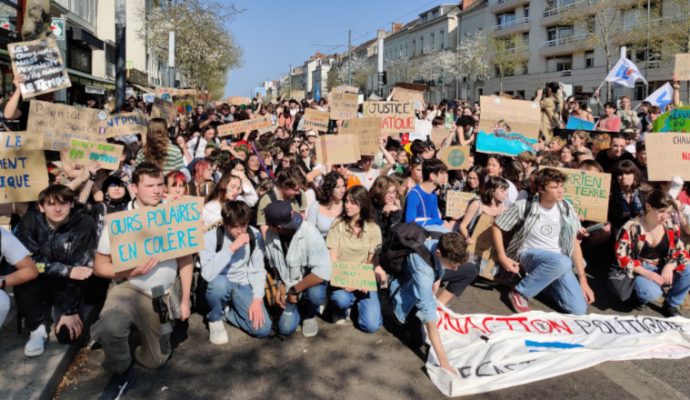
(396, 27)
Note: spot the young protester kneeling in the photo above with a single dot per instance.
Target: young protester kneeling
(545, 245)
(650, 247)
(415, 287)
(14, 252)
(234, 270)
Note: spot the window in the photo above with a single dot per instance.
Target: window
(421, 45)
(589, 59)
(442, 37)
(639, 91)
(80, 59)
(557, 64)
(557, 34)
(433, 42)
(525, 38)
(414, 48)
(86, 9)
(526, 11)
(505, 20)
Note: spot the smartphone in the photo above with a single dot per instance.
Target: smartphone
(596, 227)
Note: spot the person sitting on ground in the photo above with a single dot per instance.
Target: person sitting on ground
(288, 186)
(421, 204)
(385, 198)
(608, 158)
(545, 246)
(15, 254)
(229, 188)
(235, 274)
(158, 148)
(329, 206)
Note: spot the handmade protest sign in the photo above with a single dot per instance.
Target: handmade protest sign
(368, 132)
(397, 117)
(345, 89)
(481, 249)
(456, 203)
(87, 152)
(337, 149)
(238, 100)
(455, 157)
(668, 155)
(316, 120)
(164, 109)
(169, 93)
(578, 124)
(588, 192)
(439, 135)
(169, 231)
(422, 130)
(500, 142)
(132, 123)
(23, 173)
(247, 125)
(511, 116)
(676, 120)
(59, 123)
(41, 64)
(491, 352)
(416, 97)
(343, 106)
(681, 69)
(353, 276)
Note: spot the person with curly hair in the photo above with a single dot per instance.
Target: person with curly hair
(158, 148)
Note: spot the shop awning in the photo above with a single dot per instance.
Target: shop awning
(86, 79)
(143, 88)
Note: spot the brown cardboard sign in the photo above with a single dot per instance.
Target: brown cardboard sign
(438, 135)
(455, 157)
(169, 231)
(23, 174)
(668, 155)
(345, 89)
(248, 125)
(41, 64)
(316, 120)
(514, 116)
(481, 249)
(238, 100)
(20, 141)
(367, 130)
(337, 149)
(343, 106)
(86, 152)
(133, 123)
(457, 202)
(416, 97)
(164, 109)
(681, 69)
(353, 276)
(396, 117)
(59, 123)
(588, 192)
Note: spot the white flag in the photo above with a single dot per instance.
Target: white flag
(662, 96)
(625, 73)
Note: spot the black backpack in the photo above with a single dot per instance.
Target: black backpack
(220, 237)
(399, 242)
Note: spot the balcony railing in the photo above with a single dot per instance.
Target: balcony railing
(565, 40)
(512, 23)
(560, 8)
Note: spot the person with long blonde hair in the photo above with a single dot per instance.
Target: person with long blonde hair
(158, 148)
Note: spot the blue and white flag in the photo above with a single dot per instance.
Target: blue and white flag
(625, 73)
(662, 96)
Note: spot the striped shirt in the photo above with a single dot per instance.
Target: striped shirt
(173, 159)
(570, 225)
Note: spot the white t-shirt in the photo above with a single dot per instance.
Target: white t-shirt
(367, 178)
(12, 249)
(546, 232)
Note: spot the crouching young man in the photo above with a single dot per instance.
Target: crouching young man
(545, 246)
(419, 283)
(234, 270)
(129, 303)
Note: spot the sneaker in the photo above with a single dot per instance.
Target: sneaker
(217, 333)
(118, 385)
(37, 342)
(670, 311)
(518, 301)
(310, 327)
(339, 320)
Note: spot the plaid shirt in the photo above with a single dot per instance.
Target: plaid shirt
(513, 216)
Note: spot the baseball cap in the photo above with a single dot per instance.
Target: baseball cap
(279, 213)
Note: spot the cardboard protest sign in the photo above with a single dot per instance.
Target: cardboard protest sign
(59, 123)
(512, 116)
(455, 157)
(457, 202)
(353, 276)
(668, 155)
(681, 69)
(316, 120)
(41, 64)
(588, 192)
(397, 117)
(510, 144)
(164, 109)
(345, 89)
(368, 132)
(248, 125)
(23, 173)
(481, 248)
(132, 123)
(578, 124)
(169, 231)
(337, 149)
(238, 100)
(416, 97)
(422, 130)
(676, 120)
(87, 152)
(343, 106)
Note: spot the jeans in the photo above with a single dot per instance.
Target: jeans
(306, 308)
(368, 308)
(553, 272)
(458, 280)
(647, 291)
(4, 306)
(221, 291)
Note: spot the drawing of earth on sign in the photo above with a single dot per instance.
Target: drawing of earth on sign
(501, 142)
(455, 158)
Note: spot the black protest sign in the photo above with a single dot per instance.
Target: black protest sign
(40, 62)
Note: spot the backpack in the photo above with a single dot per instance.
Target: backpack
(399, 242)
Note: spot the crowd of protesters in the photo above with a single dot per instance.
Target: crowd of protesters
(277, 219)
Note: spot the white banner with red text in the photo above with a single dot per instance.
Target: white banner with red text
(491, 352)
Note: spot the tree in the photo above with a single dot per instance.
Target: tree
(400, 70)
(471, 60)
(360, 68)
(508, 55)
(205, 50)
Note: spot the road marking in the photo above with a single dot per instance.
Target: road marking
(639, 383)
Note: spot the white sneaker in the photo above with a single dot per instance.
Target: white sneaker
(344, 321)
(310, 327)
(217, 332)
(37, 342)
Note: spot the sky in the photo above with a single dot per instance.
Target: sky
(274, 34)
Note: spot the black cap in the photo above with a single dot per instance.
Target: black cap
(279, 213)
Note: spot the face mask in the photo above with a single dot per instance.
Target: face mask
(293, 112)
